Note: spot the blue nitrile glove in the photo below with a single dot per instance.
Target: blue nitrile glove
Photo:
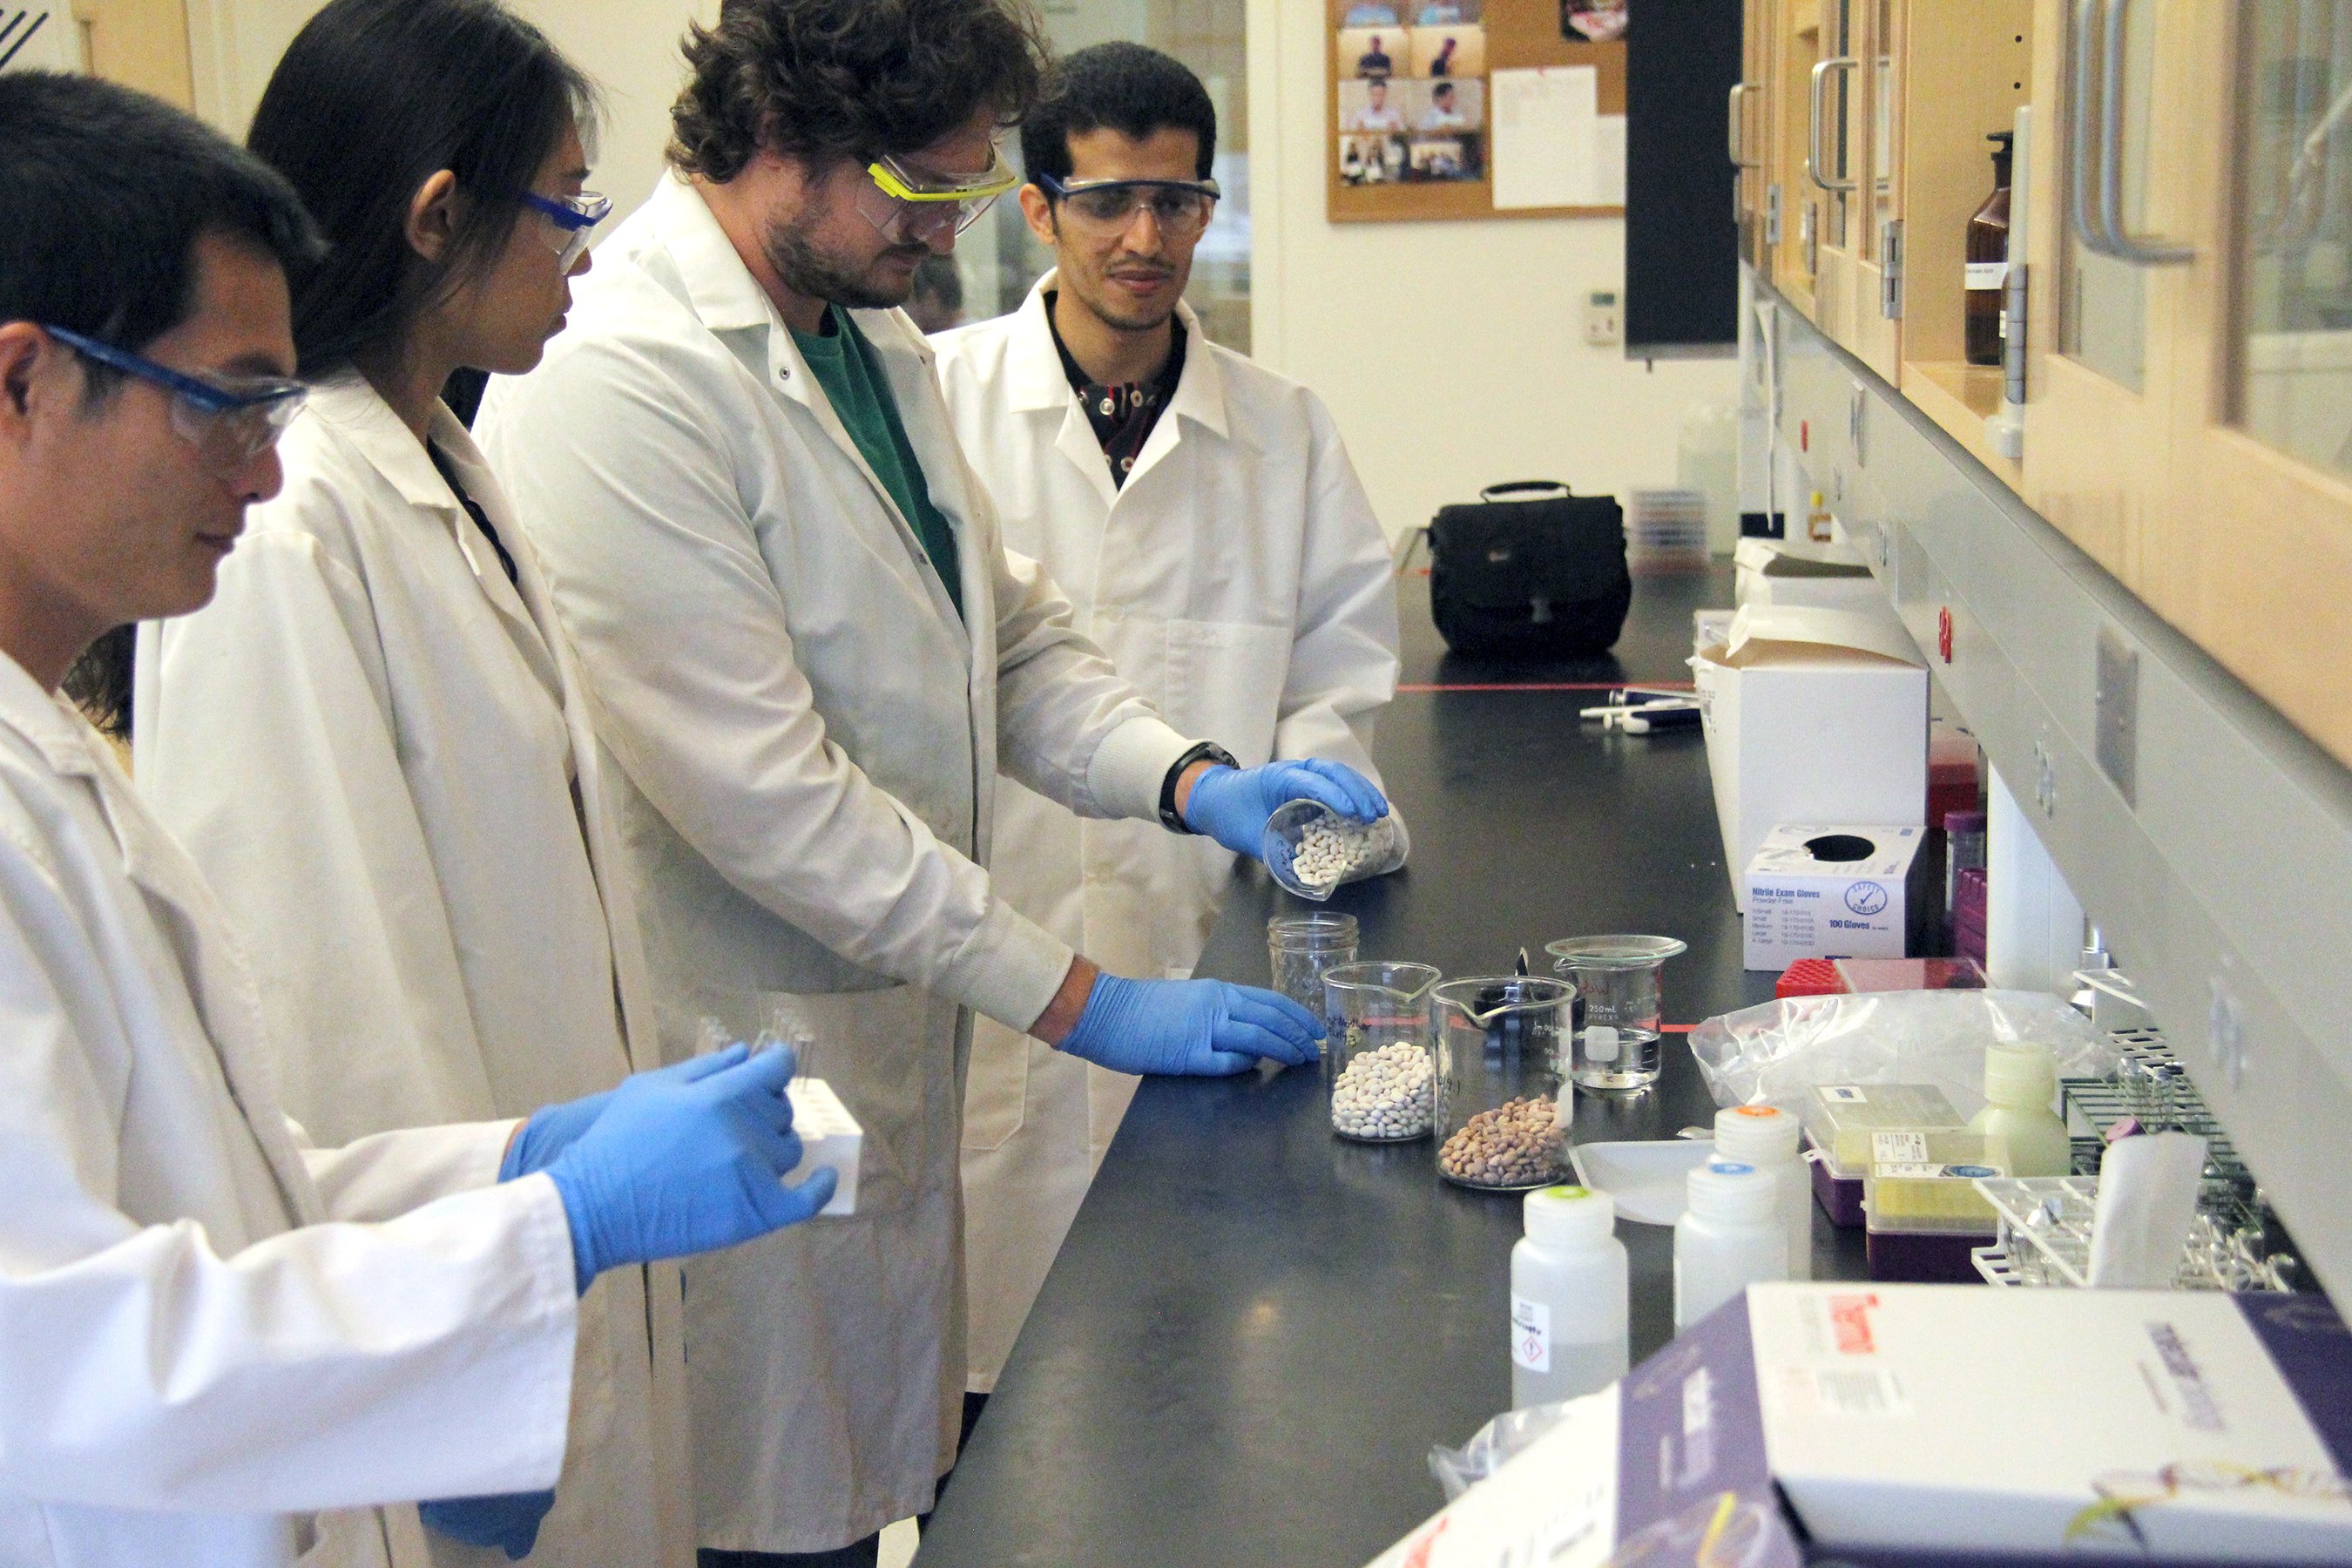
(1199, 1026)
(509, 1522)
(685, 1162)
(1231, 804)
(552, 1129)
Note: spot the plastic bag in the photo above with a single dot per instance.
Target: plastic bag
(1493, 1446)
(1770, 1055)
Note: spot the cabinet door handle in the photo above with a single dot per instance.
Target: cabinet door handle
(2080, 128)
(1739, 91)
(1813, 141)
(2121, 246)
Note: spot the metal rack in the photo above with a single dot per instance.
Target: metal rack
(2044, 1239)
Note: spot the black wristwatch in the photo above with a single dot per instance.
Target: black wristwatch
(1206, 752)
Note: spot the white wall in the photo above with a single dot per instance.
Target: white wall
(1452, 355)
(629, 47)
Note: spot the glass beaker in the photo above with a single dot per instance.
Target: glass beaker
(1301, 947)
(1616, 1046)
(1502, 1122)
(1383, 1075)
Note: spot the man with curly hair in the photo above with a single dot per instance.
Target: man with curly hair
(809, 654)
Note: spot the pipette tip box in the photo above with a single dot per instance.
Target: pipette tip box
(830, 1137)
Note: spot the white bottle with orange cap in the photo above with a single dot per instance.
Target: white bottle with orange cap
(1765, 1137)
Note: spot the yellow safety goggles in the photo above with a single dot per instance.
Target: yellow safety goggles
(904, 203)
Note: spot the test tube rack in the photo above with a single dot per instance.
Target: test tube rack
(2151, 1086)
(2044, 1239)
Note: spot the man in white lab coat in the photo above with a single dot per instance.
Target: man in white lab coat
(809, 654)
(220, 1348)
(1203, 517)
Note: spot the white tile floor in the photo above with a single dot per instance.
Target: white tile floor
(898, 1544)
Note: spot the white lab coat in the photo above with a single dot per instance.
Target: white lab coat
(370, 742)
(186, 1376)
(812, 737)
(1240, 579)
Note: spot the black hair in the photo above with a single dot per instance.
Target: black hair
(1132, 89)
(372, 99)
(824, 80)
(106, 192)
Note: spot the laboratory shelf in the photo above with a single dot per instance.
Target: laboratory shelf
(1958, 398)
(2208, 839)
(1255, 1331)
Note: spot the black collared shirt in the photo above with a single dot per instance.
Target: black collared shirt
(1123, 417)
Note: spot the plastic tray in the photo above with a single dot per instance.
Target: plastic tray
(1647, 1180)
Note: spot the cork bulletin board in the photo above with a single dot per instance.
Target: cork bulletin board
(1414, 103)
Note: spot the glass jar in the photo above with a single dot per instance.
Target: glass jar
(1502, 1118)
(1616, 1041)
(1382, 1073)
(1301, 947)
(1312, 851)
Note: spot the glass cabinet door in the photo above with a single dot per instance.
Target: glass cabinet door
(2113, 164)
(1749, 125)
(2261, 518)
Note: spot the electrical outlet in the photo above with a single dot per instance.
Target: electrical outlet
(1600, 322)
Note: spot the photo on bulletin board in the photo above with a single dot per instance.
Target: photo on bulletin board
(1371, 160)
(1449, 51)
(1445, 106)
(1375, 52)
(1421, 126)
(1432, 158)
(1376, 106)
(1593, 21)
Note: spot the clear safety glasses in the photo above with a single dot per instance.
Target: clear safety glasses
(908, 203)
(229, 421)
(1181, 209)
(569, 220)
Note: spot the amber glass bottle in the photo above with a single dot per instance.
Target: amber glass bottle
(1988, 253)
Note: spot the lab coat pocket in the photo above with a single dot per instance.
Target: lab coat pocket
(1224, 684)
(996, 1091)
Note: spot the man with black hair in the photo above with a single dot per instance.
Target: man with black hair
(220, 1346)
(810, 654)
(1201, 514)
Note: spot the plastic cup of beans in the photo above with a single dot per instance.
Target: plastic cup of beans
(1314, 851)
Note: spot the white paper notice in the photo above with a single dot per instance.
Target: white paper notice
(1553, 148)
(37, 37)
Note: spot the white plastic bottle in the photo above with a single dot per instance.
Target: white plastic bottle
(1568, 1297)
(1765, 1137)
(2020, 1083)
(1730, 1238)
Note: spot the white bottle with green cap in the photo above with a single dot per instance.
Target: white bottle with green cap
(1568, 1297)
(2020, 1081)
(1730, 1238)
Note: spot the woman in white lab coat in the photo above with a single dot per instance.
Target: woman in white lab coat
(372, 741)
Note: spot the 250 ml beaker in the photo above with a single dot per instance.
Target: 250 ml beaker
(1502, 1123)
(1383, 1075)
(1616, 1046)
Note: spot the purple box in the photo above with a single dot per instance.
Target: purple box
(1840, 1197)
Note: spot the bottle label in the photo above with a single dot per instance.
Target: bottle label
(1988, 275)
(1530, 1333)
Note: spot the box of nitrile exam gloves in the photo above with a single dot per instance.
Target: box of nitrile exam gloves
(1932, 1426)
(1838, 893)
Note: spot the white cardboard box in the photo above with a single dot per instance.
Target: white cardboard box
(1945, 1425)
(1768, 573)
(1811, 716)
(829, 1136)
(1834, 892)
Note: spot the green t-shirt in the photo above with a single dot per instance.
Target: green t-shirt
(860, 394)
